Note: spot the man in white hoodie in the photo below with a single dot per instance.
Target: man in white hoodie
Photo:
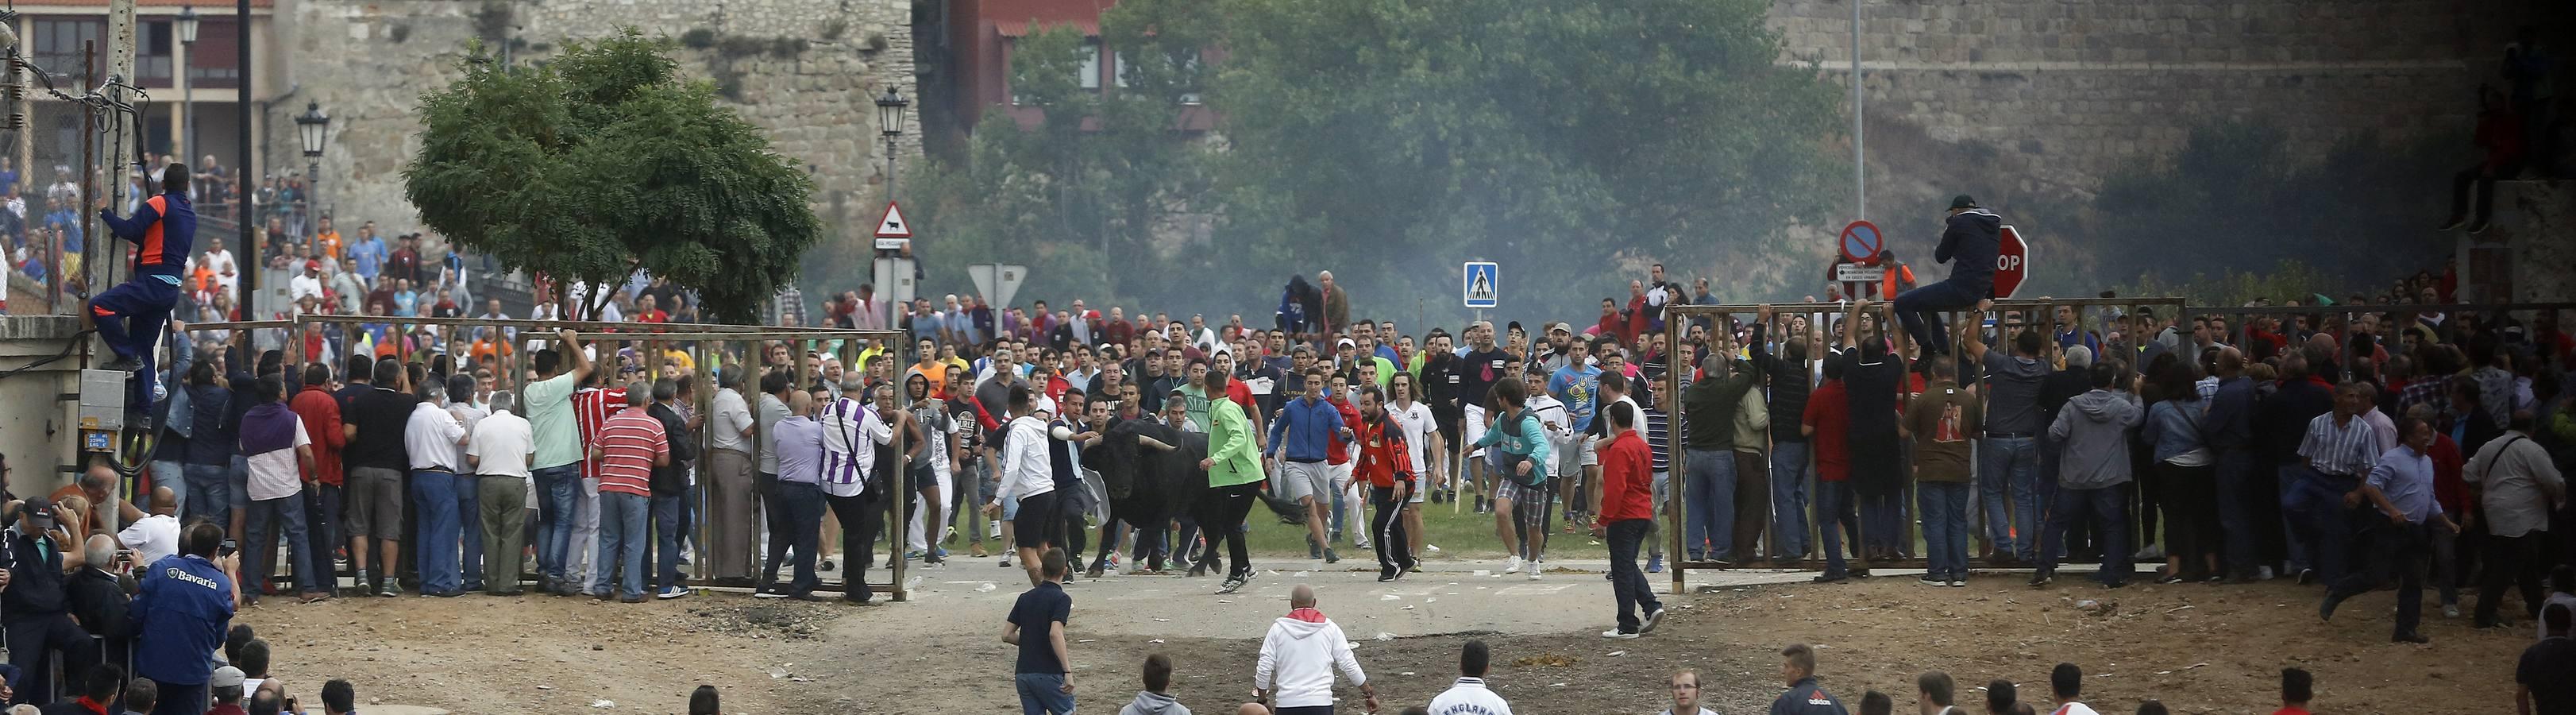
(1298, 658)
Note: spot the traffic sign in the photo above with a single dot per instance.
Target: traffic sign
(997, 282)
(1482, 285)
(2012, 264)
(1861, 242)
(1857, 273)
(893, 225)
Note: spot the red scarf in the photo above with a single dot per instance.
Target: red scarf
(1309, 615)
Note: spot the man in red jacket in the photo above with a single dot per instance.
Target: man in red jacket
(320, 411)
(2499, 138)
(1388, 467)
(1627, 511)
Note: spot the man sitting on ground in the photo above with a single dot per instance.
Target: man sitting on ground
(2066, 683)
(1469, 696)
(1156, 698)
(1804, 697)
(1298, 658)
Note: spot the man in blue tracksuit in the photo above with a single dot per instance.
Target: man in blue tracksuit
(130, 316)
(1305, 428)
(182, 607)
(1970, 243)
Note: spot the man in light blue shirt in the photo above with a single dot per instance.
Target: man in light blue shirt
(2400, 489)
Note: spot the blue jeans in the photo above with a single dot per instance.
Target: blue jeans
(433, 498)
(1708, 504)
(267, 518)
(1833, 513)
(666, 539)
(1945, 527)
(2106, 510)
(1789, 500)
(1043, 693)
(555, 489)
(2294, 539)
(237, 488)
(2324, 521)
(621, 543)
(2010, 466)
(1916, 307)
(469, 524)
(2235, 510)
(209, 493)
(130, 318)
(165, 474)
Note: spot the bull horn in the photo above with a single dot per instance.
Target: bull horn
(1154, 443)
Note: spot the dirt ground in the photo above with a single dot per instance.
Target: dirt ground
(2199, 648)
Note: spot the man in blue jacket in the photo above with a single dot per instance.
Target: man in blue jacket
(130, 317)
(1305, 427)
(1969, 245)
(181, 609)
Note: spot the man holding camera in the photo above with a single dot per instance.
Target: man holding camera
(35, 606)
(181, 610)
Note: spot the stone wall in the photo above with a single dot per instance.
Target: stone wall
(2062, 91)
(806, 70)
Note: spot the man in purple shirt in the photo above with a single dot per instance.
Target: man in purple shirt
(799, 498)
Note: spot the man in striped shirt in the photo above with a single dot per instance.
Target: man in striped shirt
(591, 408)
(2340, 447)
(851, 431)
(629, 445)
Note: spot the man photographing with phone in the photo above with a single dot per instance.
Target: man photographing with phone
(36, 609)
(181, 610)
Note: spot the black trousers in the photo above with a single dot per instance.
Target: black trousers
(2514, 559)
(1386, 528)
(861, 518)
(1219, 510)
(34, 637)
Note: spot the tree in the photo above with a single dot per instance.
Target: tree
(602, 160)
(1391, 140)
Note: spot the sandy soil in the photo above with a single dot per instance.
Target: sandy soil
(2199, 648)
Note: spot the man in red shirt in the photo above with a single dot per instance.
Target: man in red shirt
(1627, 511)
(1828, 422)
(2297, 688)
(591, 408)
(630, 444)
(1388, 467)
(320, 411)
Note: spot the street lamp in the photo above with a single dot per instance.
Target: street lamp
(890, 123)
(186, 24)
(312, 127)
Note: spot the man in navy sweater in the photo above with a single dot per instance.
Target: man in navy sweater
(181, 609)
(1969, 245)
(130, 317)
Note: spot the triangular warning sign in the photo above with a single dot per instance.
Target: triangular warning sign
(893, 225)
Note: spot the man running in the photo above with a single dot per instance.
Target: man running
(129, 317)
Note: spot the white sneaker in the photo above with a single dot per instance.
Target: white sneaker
(2263, 573)
(1533, 573)
(1513, 566)
(2451, 611)
(1616, 634)
(1428, 548)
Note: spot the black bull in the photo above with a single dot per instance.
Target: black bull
(1152, 475)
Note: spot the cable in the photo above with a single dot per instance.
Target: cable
(68, 347)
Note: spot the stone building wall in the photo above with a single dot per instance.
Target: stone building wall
(806, 70)
(2070, 89)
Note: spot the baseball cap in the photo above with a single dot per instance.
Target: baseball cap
(1345, 343)
(1566, 327)
(312, 265)
(40, 508)
(1962, 201)
(225, 677)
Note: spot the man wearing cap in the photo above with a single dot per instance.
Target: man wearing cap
(225, 689)
(307, 284)
(1969, 245)
(35, 607)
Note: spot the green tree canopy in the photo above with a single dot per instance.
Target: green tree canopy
(601, 160)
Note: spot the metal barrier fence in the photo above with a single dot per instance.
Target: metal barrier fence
(708, 347)
(2031, 313)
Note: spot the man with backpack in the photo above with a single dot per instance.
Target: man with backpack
(1521, 438)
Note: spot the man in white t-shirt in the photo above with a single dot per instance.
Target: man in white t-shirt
(2066, 683)
(280, 456)
(155, 536)
(1422, 440)
(499, 451)
(1469, 696)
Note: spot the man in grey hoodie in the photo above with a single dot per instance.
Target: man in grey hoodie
(1156, 698)
(2094, 427)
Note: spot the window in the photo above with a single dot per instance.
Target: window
(1118, 68)
(153, 64)
(58, 45)
(1091, 65)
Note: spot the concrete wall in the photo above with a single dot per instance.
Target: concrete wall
(36, 430)
(2523, 257)
(367, 63)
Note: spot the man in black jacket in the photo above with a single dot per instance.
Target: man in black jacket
(1790, 383)
(1969, 245)
(96, 594)
(2282, 421)
(670, 487)
(36, 605)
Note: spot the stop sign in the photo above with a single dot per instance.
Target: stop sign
(2012, 264)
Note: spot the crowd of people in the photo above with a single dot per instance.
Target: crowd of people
(2340, 447)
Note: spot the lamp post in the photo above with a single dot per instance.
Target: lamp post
(312, 127)
(890, 123)
(186, 24)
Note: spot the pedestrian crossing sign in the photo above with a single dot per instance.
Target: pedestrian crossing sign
(1482, 284)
